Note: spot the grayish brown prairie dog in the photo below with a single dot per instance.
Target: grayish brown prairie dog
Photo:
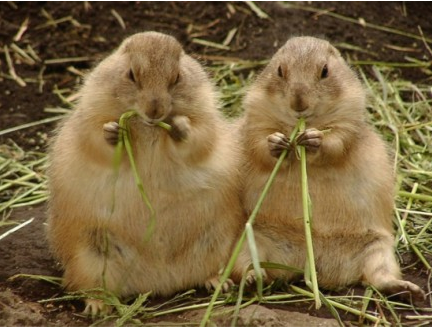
(350, 175)
(97, 224)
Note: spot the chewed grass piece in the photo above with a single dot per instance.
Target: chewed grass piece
(165, 126)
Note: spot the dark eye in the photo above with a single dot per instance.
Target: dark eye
(280, 73)
(324, 72)
(131, 76)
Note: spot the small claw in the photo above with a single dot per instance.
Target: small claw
(251, 278)
(96, 308)
(277, 143)
(311, 139)
(407, 289)
(214, 282)
(111, 132)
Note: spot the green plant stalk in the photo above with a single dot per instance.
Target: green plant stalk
(239, 300)
(278, 266)
(33, 201)
(18, 181)
(49, 279)
(255, 259)
(332, 309)
(405, 216)
(389, 307)
(406, 194)
(124, 143)
(342, 307)
(165, 126)
(125, 139)
(419, 254)
(17, 199)
(185, 308)
(365, 304)
(242, 238)
(310, 271)
(423, 230)
(132, 309)
(29, 125)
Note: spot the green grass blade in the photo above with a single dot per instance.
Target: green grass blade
(242, 238)
(310, 271)
(255, 259)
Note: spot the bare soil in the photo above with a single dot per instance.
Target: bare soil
(94, 33)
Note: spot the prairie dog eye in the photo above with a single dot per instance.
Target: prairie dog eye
(131, 76)
(177, 79)
(324, 72)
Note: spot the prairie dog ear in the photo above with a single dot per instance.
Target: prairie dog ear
(334, 51)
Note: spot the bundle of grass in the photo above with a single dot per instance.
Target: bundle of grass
(23, 179)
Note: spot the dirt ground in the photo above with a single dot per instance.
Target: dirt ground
(91, 30)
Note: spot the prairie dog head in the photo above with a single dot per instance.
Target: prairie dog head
(142, 74)
(308, 78)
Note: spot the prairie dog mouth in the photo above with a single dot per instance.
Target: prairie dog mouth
(152, 122)
(304, 115)
(142, 118)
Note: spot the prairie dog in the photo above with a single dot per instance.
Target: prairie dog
(97, 224)
(349, 172)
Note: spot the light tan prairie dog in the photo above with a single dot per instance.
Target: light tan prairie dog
(350, 175)
(97, 224)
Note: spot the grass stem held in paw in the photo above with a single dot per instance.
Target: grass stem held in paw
(250, 222)
(124, 142)
(310, 271)
(164, 125)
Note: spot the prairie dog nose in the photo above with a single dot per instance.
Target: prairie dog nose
(155, 110)
(299, 103)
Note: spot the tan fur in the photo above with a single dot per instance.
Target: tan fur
(350, 176)
(97, 225)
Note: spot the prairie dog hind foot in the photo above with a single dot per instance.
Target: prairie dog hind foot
(95, 307)
(251, 277)
(212, 284)
(405, 289)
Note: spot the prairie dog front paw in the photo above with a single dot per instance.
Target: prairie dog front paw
(111, 132)
(180, 128)
(311, 139)
(277, 143)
